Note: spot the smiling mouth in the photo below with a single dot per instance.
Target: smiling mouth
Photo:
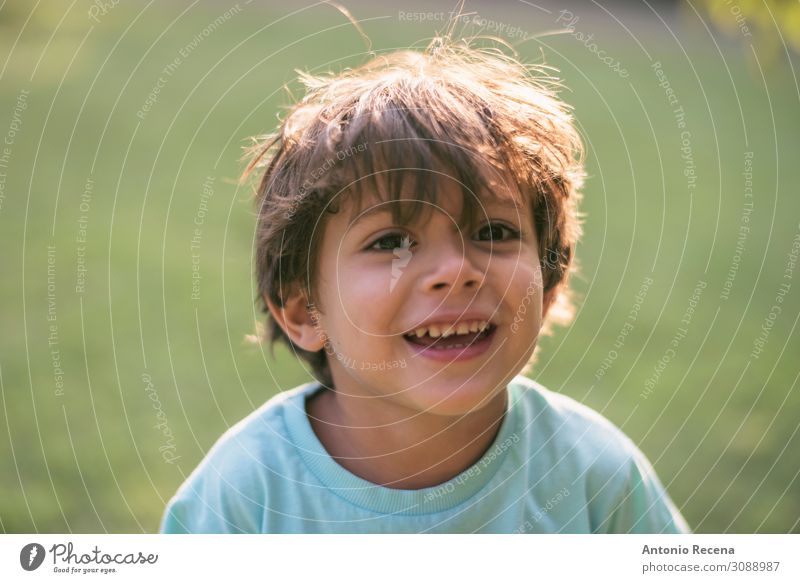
(452, 341)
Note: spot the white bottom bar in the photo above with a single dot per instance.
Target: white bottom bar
(401, 558)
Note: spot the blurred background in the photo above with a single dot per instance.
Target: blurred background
(127, 291)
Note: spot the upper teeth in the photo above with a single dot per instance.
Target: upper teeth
(445, 330)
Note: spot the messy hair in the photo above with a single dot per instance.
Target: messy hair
(482, 115)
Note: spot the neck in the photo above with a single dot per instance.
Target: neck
(397, 447)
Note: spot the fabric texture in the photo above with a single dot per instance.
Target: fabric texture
(555, 466)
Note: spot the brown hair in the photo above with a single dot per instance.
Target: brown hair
(478, 113)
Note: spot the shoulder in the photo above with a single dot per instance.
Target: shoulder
(226, 492)
(572, 426)
(263, 429)
(256, 440)
(622, 490)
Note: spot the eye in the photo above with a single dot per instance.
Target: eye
(494, 232)
(390, 242)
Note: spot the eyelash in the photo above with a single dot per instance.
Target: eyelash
(513, 234)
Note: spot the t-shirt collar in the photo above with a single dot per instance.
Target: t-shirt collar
(381, 499)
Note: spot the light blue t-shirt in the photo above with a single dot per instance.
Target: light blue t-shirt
(555, 466)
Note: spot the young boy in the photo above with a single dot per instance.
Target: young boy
(417, 222)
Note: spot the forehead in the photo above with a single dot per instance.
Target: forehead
(413, 199)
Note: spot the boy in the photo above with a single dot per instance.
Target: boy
(417, 221)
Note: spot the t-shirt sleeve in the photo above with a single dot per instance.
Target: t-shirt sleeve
(223, 495)
(643, 505)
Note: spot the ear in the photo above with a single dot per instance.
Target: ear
(548, 299)
(295, 318)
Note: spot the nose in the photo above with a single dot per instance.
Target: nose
(451, 266)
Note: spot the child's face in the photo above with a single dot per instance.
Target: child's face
(378, 281)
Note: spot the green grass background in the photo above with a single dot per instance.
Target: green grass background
(720, 426)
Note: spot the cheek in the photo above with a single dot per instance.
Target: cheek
(360, 280)
(521, 274)
(362, 296)
(355, 290)
(524, 298)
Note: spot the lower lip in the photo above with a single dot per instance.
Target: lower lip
(454, 354)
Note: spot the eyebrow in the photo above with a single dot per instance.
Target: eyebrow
(385, 208)
(376, 210)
